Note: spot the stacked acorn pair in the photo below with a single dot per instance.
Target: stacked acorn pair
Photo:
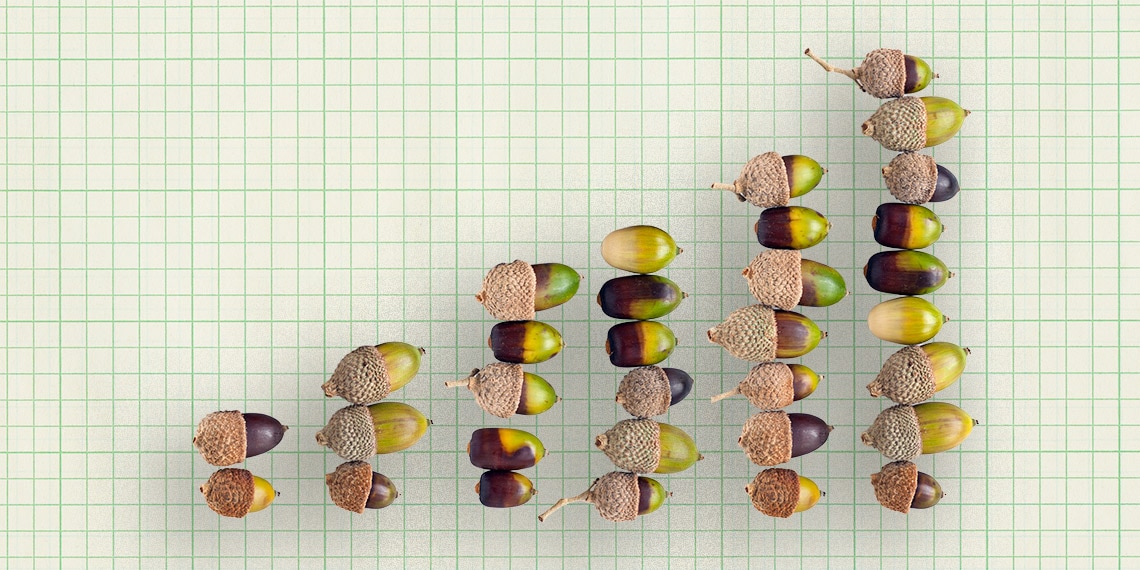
(231, 437)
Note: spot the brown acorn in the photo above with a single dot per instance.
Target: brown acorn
(354, 486)
(780, 492)
(514, 291)
(226, 438)
(757, 333)
(900, 486)
(885, 73)
(370, 373)
(619, 496)
(237, 492)
(504, 390)
(504, 489)
(770, 179)
(646, 446)
(649, 391)
(774, 385)
(916, 179)
(772, 438)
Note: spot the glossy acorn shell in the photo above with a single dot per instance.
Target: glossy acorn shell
(905, 226)
(640, 297)
(555, 284)
(927, 492)
(796, 335)
(398, 426)
(402, 361)
(262, 433)
(905, 320)
(524, 342)
(382, 493)
(946, 186)
(809, 433)
(504, 449)
(263, 494)
(651, 495)
(944, 118)
(504, 489)
(804, 381)
(918, 74)
(804, 174)
(537, 395)
(809, 494)
(678, 450)
(791, 227)
(823, 286)
(639, 249)
(947, 360)
(905, 272)
(680, 384)
(943, 426)
(639, 343)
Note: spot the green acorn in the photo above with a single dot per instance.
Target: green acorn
(770, 180)
(906, 320)
(647, 446)
(618, 496)
(905, 272)
(791, 227)
(775, 385)
(900, 486)
(504, 390)
(904, 432)
(370, 373)
(906, 226)
(358, 432)
(915, 373)
(885, 73)
(504, 449)
(911, 123)
(504, 489)
(524, 342)
(639, 249)
(639, 343)
(915, 179)
(780, 492)
(782, 279)
(354, 486)
(514, 291)
(757, 333)
(640, 297)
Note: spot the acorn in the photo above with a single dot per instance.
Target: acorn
(354, 486)
(358, 432)
(649, 390)
(639, 343)
(504, 449)
(640, 297)
(647, 446)
(915, 179)
(782, 279)
(906, 226)
(905, 272)
(237, 492)
(514, 291)
(906, 320)
(618, 496)
(885, 73)
(504, 489)
(369, 373)
(759, 334)
(504, 390)
(911, 123)
(774, 437)
(771, 180)
(639, 249)
(791, 227)
(904, 432)
(524, 342)
(226, 438)
(900, 486)
(780, 492)
(915, 373)
(775, 385)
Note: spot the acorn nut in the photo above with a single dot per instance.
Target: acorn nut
(900, 486)
(904, 432)
(504, 449)
(640, 297)
(906, 226)
(791, 227)
(775, 385)
(504, 489)
(639, 343)
(370, 373)
(770, 180)
(618, 496)
(650, 390)
(782, 279)
(514, 291)
(358, 432)
(759, 334)
(885, 73)
(911, 123)
(226, 438)
(906, 320)
(915, 179)
(780, 492)
(354, 486)
(774, 437)
(647, 446)
(915, 373)
(639, 249)
(237, 492)
(524, 342)
(504, 390)
(906, 272)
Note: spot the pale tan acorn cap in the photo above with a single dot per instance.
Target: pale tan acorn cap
(775, 278)
(229, 492)
(350, 433)
(907, 377)
(616, 496)
(911, 177)
(644, 392)
(361, 377)
(769, 386)
(896, 433)
(498, 388)
(895, 485)
(899, 124)
(883, 73)
(633, 445)
(350, 485)
(221, 438)
(775, 492)
(508, 291)
(763, 181)
(767, 438)
(749, 333)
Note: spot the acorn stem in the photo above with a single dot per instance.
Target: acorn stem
(566, 501)
(828, 67)
(723, 186)
(458, 383)
(727, 394)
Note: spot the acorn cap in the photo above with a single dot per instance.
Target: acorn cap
(763, 181)
(350, 433)
(497, 388)
(749, 333)
(221, 438)
(895, 433)
(883, 73)
(895, 485)
(616, 496)
(350, 484)
(229, 492)
(361, 377)
(907, 377)
(769, 386)
(911, 177)
(633, 445)
(775, 492)
(775, 279)
(509, 290)
(645, 392)
(899, 124)
(767, 438)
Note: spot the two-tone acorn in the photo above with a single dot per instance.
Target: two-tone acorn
(640, 297)
(639, 343)
(885, 73)
(647, 446)
(504, 389)
(782, 279)
(791, 227)
(504, 449)
(915, 373)
(906, 272)
(514, 291)
(500, 489)
(911, 123)
(906, 320)
(358, 432)
(229, 437)
(618, 496)
(905, 226)
(759, 334)
(650, 390)
(775, 385)
(524, 342)
(775, 437)
(354, 486)
(639, 249)
(900, 486)
(904, 432)
(237, 492)
(370, 373)
(780, 492)
(771, 180)
(916, 179)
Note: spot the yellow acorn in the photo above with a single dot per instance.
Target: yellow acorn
(780, 492)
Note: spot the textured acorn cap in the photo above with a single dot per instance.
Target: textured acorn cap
(883, 73)
(509, 290)
(764, 181)
(775, 492)
(350, 433)
(907, 377)
(895, 433)
(769, 386)
(616, 496)
(899, 124)
(221, 438)
(911, 177)
(645, 392)
(767, 438)
(775, 279)
(895, 485)
(497, 388)
(361, 377)
(350, 485)
(633, 445)
(749, 333)
(229, 492)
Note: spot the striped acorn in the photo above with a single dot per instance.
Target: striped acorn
(791, 227)
(915, 373)
(504, 489)
(771, 180)
(226, 438)
(514, 291)
(904, 432)
(911, 123)
(358, 432)
(640, 297)
(618, 496)
(775, 385)
(774, 437)
(906, 226)
(782, 279)
(504, 449)
(370, 373)
(916, 179)
(757, 333)
(647, 446)
(639, 343)
(237, 492)
(504, 389)
(906, 320)
(780, 492)
(354, 486)
(900, 486)
(524, 342)
(905, 272)
(639, 249)
(885, 73)
(650, 390)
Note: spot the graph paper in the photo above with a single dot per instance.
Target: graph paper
(206, 205)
